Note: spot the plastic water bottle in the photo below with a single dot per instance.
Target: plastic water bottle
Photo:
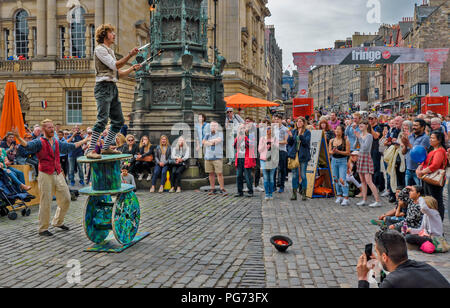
(404, 228)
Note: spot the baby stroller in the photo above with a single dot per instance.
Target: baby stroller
(9, 194)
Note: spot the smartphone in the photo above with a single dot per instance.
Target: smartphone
(368, 251)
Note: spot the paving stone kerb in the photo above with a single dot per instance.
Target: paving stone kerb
(198, 240)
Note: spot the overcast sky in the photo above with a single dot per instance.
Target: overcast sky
(306, 25)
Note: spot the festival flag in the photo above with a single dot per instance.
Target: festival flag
(44, 104)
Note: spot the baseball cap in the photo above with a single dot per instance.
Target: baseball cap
(229, 109)
(355, 153)
(373, 115)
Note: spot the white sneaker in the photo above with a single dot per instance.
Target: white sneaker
(345, 202)
(339, 200)
(245, 189)
(375, 204)
(149, 177)
(260, 189)
(385, 193)
(361, 203)
(267, 198)
(140, 177)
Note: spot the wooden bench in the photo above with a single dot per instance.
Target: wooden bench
(26, 169)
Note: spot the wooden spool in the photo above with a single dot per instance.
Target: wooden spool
(101, 214)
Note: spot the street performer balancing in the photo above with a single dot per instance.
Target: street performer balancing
(106, 94)
(51, 178)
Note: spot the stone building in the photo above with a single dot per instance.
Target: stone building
(430, 29)
(241, 40)
(274, 62)
(56, 44)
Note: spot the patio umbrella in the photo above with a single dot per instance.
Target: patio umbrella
(241, 101)
(11, 111)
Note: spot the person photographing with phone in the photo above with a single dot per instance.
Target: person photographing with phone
(106, 94)
(391, 251)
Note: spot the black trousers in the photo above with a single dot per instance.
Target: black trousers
(378, 176)
(414, 239)
(175, 176)
(437, 193)
(142, 167)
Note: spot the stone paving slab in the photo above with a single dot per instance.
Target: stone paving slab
(328, 240)
(203, 241)
(196, 240)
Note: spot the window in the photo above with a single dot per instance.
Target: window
(74, 107)
(78, 33)
(21, 34)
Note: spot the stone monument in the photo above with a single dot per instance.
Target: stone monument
(178, 82)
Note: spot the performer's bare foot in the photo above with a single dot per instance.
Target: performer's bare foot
(25, 187)
(111, 152)
(93, 155)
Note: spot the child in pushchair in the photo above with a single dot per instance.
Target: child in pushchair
(10, 192)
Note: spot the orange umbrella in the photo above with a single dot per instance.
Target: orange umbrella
(241, 101)
(11, 112)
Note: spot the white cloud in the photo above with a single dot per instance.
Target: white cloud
(306, 25)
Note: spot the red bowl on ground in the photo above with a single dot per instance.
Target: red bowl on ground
(281, 243)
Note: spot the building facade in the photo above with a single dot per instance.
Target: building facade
(274, 62)
(240, 38)
(47, 49)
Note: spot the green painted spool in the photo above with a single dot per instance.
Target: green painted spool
(106, 176)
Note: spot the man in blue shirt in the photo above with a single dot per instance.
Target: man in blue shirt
(73, 156)
(350, 131)
(418, 138)
(213, 142)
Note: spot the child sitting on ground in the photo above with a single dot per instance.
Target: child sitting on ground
(127, 178)
(413, 215)
(431, 223)
(398, 213)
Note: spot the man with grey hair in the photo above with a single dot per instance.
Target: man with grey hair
(436, 124)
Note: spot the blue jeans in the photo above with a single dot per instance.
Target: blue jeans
(339, 169)
(301, 171)
(72, 163)
(241, 171)
(16, 176)
(411, 176)
(160, 171)
(269, 180)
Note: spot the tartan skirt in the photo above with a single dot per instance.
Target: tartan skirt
(365, 163)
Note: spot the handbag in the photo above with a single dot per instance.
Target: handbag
(293, 163)
(440, 243)
(148, 158)
(436, 178)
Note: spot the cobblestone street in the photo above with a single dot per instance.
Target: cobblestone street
(198, 240)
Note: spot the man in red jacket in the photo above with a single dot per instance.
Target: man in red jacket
(51, 177)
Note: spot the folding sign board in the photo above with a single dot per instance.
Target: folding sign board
(319, 166)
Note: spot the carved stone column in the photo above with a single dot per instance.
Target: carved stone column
(88, 42)
(11, 49)
(41, 28)
(51, 28)
(30, 44)
(99, 13)
(67, 41)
